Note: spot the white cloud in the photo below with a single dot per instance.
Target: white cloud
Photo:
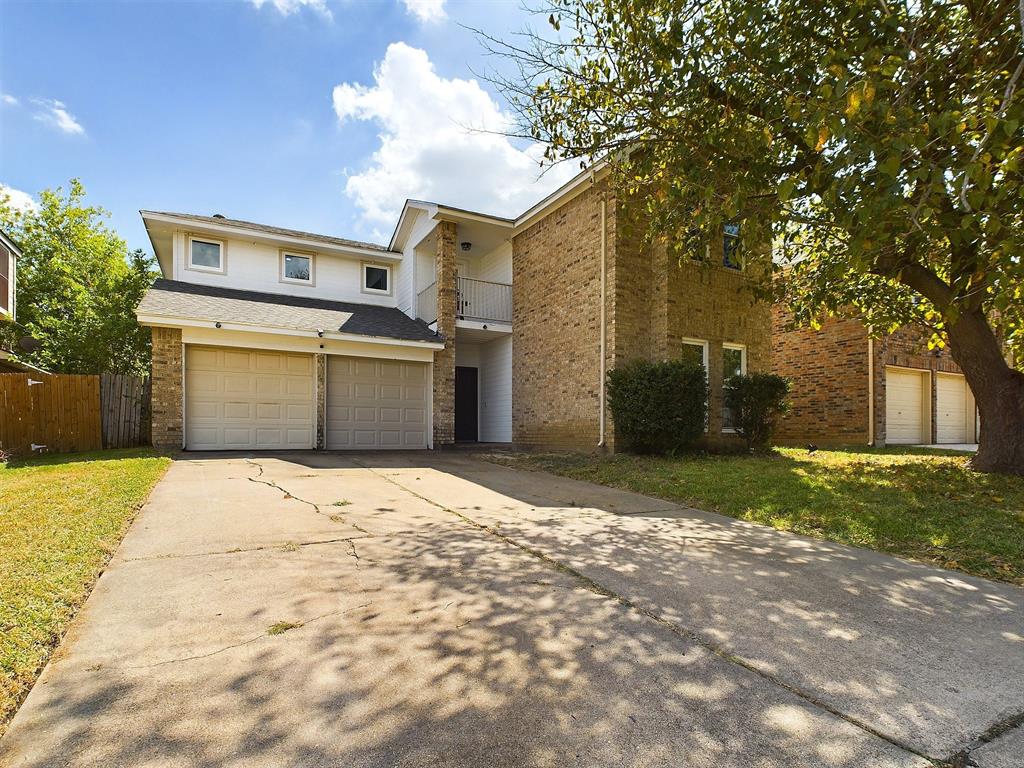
(18, 200)
(438, 141)
(288, 7)
(426, 10)
(55, 113)
(6, 98)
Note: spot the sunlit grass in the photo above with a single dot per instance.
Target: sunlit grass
(60, 520)
(925, 505)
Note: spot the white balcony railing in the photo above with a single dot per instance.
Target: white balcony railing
(474, 300)
(426, 304)
(483, 300)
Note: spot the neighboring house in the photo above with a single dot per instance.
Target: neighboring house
(465, 327)
(849, 388)
(9, 255)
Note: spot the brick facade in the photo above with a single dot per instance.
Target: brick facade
(653, 302)
(166, 373)
(320, 365)
(829, 368)
(444, 360)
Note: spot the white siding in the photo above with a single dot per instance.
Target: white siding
(496, 266)
(496, 390)
(467, 354)
(410, 279)
(256, 267)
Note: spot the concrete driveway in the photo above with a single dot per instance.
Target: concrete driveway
(440, 610)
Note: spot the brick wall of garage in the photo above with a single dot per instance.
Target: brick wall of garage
(829, 369)
(166, 372)
(653, 302)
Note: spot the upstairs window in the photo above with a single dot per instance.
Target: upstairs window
(5, 280)
(297, 268)
(731, 256)
(206, 255)
(734, 363)
(376, 279)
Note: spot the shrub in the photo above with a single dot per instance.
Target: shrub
(658, 407)
(757, 400)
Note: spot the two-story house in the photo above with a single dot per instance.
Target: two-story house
(465, 327)
(9, 255)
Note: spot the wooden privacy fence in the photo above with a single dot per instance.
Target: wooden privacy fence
(124, 403)
(61, 413)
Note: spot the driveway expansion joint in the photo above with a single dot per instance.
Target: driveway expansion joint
(1003, 726)
(677, 629)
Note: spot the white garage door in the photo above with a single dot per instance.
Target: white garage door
(952, 424)
(904, 407)
(242, 399)
(375, 403)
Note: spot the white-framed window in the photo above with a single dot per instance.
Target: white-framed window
(695, 351)
(6, 280)
(376, 278)
(298, 268)
(206, 254)
(734, 363)
(732, 253)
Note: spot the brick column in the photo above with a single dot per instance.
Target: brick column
(444, 360)
(321, 400)
(166, 389)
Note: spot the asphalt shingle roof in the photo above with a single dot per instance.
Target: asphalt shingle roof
(223, 220)
(173, 298)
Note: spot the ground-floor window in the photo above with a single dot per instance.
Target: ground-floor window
(734, 363)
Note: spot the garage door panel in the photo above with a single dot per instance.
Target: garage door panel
(951, 417)
(371, 405)
(241, 399)
(904, 407)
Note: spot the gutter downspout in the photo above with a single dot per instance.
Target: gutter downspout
(871, 389)
(604, 247)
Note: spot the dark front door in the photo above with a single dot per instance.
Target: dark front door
(465, 404)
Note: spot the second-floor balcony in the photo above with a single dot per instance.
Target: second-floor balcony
(479, 300)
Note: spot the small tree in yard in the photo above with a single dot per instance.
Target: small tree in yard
(78, 286)
(879, 143)
(658, 407)
(757, 400)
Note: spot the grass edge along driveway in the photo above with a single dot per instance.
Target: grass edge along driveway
(914, 503)
(61, 518)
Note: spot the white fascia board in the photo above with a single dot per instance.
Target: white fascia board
(443, 213)
(239, 232)
(572, 188)
(170, 321)
(410, 205)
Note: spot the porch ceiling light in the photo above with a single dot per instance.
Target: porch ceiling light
(466, 245)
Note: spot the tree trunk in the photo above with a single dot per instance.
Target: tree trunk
(998, 391)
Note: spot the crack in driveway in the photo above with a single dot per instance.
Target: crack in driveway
(679, 630)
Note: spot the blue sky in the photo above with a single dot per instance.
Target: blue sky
(311, 114)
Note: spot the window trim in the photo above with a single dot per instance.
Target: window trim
(743, 372)
(704, 346)
(741, 262)
(222, 270)
(375, 265)
(282, 253)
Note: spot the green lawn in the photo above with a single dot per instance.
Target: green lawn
(60, 520)
(920, 504)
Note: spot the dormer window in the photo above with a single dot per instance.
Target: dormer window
(376, 279)
(206, 255)
(297, 268)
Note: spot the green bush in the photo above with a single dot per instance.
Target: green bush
(658, 407)
(757, 400)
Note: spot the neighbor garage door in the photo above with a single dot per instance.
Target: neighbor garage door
(904, 406)
(375, 403)
(244, 399)
(952, 409)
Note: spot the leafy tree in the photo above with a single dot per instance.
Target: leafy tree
(78, 286)
(877, 143)
(757, 400)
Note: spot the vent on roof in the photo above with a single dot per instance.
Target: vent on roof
(218, 216)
